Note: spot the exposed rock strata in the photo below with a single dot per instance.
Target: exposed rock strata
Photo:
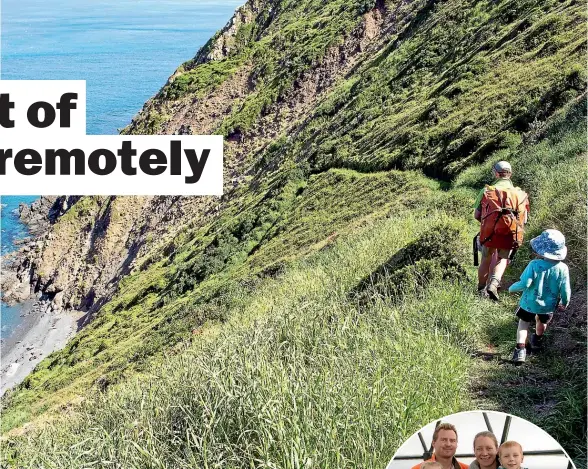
(42, 212)
(15, 281)
(79, 261)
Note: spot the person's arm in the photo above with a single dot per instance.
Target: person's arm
(478, 214)
(525, 281)
(565, 289)
(527, 208)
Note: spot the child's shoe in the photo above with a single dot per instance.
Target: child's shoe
(536, 342)
(519, 355)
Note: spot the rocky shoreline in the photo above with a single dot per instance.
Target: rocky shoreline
(42, 331)
(44, 327)
(18, 281)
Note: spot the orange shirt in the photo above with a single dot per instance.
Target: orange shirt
(456, 463)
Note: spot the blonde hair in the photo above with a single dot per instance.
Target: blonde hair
(510, 444)
(488, 435)
(431, 465)
(444, 426)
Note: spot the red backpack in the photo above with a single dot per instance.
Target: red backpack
(504, 213)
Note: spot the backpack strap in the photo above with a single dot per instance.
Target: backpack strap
(512, 253)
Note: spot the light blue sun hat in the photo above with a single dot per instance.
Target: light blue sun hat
(551, 244)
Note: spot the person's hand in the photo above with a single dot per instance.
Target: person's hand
(561, 307)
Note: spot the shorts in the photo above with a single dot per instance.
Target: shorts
(530, 317)
(502, 253)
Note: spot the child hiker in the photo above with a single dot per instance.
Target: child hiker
(545, 284)
(431, 465)
(511, 455)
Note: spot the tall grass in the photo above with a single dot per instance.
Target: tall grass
(307, 373)
(302, 376)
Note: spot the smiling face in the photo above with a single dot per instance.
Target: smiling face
(511, 457)
(485, 451)
(445, 445)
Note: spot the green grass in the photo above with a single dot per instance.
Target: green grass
(298, 363)
(451, 93)
(312, 366)
(200, 80)
(158, 306)
(328, 311)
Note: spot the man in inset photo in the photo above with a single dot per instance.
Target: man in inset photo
(444, 447)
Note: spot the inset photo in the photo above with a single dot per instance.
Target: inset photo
(481, 440)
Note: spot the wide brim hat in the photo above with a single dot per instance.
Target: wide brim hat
(551, 244)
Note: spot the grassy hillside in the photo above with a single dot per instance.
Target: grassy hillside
(328, 309)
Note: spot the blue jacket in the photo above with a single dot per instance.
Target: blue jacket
(543, 283)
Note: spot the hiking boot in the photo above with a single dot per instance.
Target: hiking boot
(536, 342)
(493, 290)
(519, 355)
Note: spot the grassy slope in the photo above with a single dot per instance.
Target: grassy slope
(551, 392)
(290, 251)
(467, 80)
(317, 363)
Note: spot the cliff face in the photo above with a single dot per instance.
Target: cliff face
(102, 239)
(408, 85)
(331, 113)
(87, 246)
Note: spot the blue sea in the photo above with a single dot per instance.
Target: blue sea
(124, 49)
(11, 230)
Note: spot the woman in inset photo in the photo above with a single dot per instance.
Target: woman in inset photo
(485, 451)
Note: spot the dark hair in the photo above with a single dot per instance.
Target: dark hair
(444, 426)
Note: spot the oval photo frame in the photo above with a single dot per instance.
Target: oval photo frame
(541, 450)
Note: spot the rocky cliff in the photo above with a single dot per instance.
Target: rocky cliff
(387, 85)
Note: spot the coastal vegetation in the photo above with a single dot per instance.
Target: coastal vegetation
(327, 309)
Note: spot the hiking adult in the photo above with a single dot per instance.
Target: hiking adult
(444, 447)
(501, 208)
(485, 451)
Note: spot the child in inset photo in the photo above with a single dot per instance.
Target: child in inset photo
(511, 455)
(545, 284)
(431, 465)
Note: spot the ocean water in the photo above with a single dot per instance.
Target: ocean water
(124, 49)
(11, 229)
